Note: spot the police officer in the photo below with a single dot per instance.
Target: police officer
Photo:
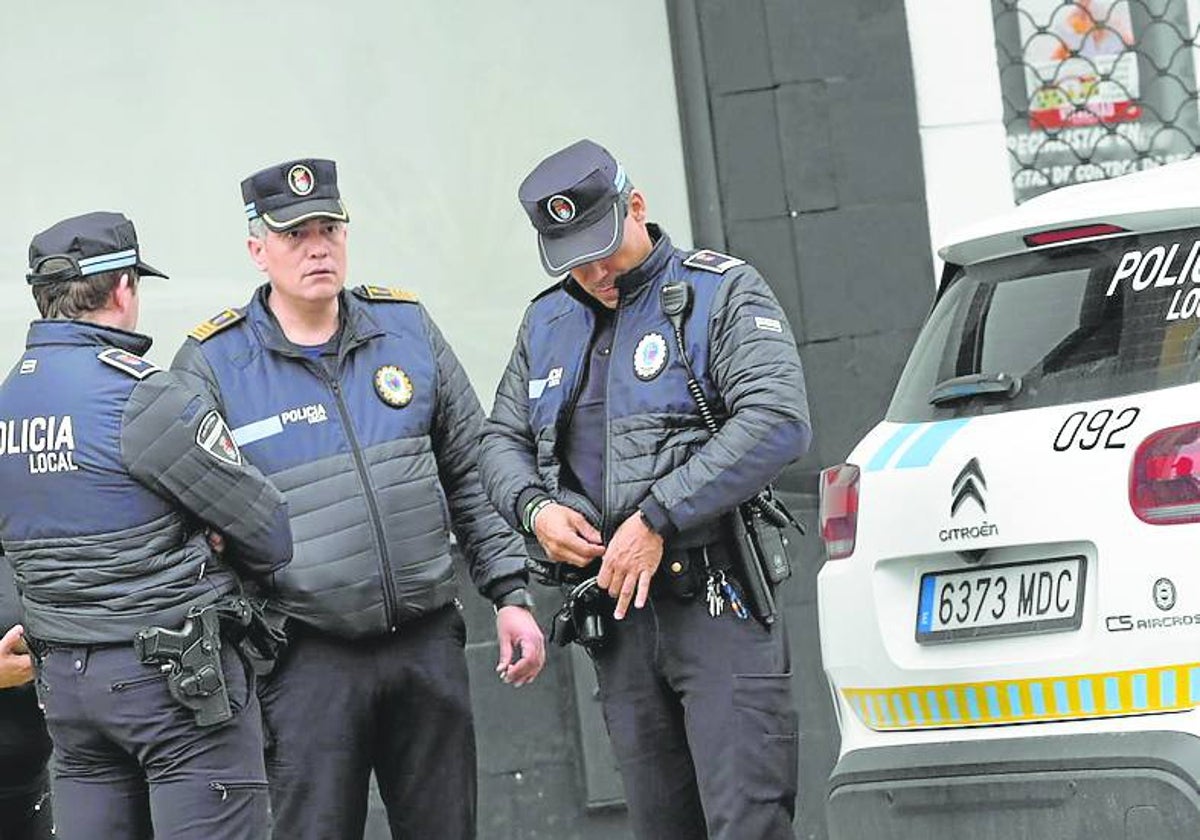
(113, 470)
(596, 448)
(355, 404)
(25, 812)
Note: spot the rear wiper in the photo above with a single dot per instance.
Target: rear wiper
(972, 385)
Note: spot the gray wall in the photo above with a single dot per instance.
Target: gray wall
(434, 112)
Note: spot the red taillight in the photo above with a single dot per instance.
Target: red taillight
(1164, 479)
(1050, 237)
(839, 510)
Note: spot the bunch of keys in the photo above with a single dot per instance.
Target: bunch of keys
(720, 589)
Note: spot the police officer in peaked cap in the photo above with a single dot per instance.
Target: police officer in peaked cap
(113, 472)
(597, 451)
(352, 400)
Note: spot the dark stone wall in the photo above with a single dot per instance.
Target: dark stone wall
(804, 115)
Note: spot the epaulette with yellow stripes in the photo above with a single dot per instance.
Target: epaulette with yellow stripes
(207, 329)
(387, 294)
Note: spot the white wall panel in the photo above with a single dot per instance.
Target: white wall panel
(960, 114)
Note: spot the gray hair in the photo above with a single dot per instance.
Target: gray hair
(258, 228)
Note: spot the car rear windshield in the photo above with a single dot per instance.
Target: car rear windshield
(1062, 325)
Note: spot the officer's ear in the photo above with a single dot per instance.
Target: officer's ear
(257, 248)
(123, 298)
(637, 206)
(124, 289)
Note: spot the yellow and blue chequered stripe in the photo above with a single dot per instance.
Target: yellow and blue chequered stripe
(1168, 688)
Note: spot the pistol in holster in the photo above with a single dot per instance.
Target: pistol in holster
(191, 657)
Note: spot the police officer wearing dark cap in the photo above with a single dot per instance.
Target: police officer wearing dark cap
(114, 471)
(356, 405)
(596, 449)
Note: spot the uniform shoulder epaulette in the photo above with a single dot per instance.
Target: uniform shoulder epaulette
(552, 288)
(385, 293)
(126, 362)
(713, 261)
(207, 329)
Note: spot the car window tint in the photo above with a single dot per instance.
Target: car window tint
(1074, 323)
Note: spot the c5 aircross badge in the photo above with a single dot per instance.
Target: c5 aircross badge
(650, 356)
(393, 386)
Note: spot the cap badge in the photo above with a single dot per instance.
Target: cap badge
(300, 179)
(650, 356)
(393, 386)
(561, 208)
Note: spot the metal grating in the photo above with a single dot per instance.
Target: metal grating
(1093, 89)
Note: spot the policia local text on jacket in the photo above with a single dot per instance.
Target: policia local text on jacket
(112, 471)
(117, 468)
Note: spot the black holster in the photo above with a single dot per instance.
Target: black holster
(761, 551)
(260, 636)
(191, 657)
(583, 618)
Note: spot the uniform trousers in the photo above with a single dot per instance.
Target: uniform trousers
(335, 709)
(701, 719)
(130, 762)
(26, 814)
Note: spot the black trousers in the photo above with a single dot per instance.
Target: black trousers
(336, 709)
(130, 762)
(27, 815)
(701, 718)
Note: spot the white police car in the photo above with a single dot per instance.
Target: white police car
(1010, 609)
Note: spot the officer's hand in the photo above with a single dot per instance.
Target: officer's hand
(517, 630)
(629, 563)
(566, 536)
(216, 541)
(16, 665)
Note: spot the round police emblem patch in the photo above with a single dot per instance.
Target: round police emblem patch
(560, 208)
(300, 179)
(393, 386)
(650, 356)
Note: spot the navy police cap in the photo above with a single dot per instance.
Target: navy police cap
(293, 192)
(85, 245)
(574, 200)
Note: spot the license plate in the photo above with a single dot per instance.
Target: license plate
(1011, 599)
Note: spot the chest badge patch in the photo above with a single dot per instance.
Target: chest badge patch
(650, 356)
(393, 386)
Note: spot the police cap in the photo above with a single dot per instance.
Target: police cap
(574, 200)
(85, 245)
(289, 193)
